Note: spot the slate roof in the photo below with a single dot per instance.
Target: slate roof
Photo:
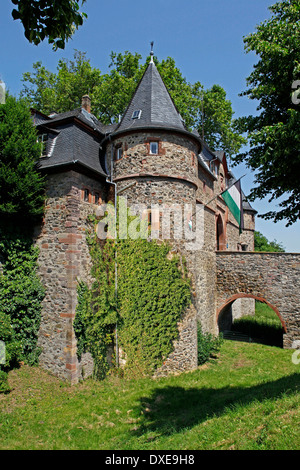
(152, 99)
(72, 143)
(73, 138)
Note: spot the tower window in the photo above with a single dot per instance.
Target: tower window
(136, 114)
(97, 198)
(86, 195)
(119, 153)
(154, 148)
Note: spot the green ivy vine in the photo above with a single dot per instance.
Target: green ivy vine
(153, 291)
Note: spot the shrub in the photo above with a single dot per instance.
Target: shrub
(208, 345)
(21, 292)
(13, 347)
(11, 351)
(4, 387)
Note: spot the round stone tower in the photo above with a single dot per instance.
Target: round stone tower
(153, 162)
(151, 154)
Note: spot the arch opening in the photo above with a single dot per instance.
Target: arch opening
(250, 318)
(220, 234)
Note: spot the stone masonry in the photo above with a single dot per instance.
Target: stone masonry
(86, 161)
(64, 259)
(269, 277)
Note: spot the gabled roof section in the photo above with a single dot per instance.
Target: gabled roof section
(73, 138)
(151, 105)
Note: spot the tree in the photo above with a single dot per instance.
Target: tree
(21, 184)
(207, 111)
(261, 243)
(50, 19)
(219, 127)
(274, 134)
(61, 91)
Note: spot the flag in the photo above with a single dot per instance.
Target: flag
(234, 200)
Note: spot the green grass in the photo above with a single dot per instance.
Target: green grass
(246, 399)
(264, 326)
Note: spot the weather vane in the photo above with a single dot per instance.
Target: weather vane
(151, 52)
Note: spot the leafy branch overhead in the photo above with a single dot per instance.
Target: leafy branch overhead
(274, 134)
(55, 20)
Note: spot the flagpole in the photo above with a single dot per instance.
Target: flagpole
(220, 194)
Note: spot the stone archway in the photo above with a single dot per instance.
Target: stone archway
(224, 319)
(269, 277)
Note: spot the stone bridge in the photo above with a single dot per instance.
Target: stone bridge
(269, 277)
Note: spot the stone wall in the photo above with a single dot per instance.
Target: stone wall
(165, 180)
(170, 178)
(64, 258)
(270, 277)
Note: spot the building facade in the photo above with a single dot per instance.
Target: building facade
(155, 163)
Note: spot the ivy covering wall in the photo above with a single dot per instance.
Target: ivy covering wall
(142, 314)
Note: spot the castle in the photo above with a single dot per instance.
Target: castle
(152, 159)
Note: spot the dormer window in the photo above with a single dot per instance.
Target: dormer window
(43, 140)
(154, 148)
(136, 114)
(214, 167)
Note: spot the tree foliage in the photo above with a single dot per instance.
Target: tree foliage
(261, 243)
(55, 20)
(21, 184)
(21, 293)
(274, 134)
(207, 111)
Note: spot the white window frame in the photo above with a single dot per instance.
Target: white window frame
(42, 140)
(119, 154)
(155, 143)
(136, 114)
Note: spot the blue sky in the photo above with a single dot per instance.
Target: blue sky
(204, 37)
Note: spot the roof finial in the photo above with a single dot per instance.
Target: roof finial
(151, 52)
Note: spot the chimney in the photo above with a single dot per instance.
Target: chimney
(86, 103)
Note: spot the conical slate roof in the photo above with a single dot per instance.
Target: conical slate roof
(151, 105)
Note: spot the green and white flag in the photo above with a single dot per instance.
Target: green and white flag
(234, 200)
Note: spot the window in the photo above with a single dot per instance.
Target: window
(119, 153)
(86, 195)
(136, 114)
(154, 148)
(43, 139)
(152, 217)
(97, 198)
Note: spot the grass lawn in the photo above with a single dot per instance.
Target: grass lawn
(246, 399)
(264, 326)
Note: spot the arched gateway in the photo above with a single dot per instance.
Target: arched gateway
(223, 312)
(271, 278)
